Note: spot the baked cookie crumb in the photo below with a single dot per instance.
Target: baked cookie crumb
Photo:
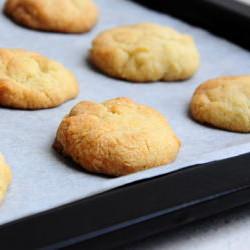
(5, 177)
(29, 80)
(116, 137)
(68, 16)
(145, 52)
(223, 103)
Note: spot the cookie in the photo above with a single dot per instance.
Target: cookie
(5, 177)
(31, 81)
(116, 137)
(68, 16)
(224, 103)
(145, 53)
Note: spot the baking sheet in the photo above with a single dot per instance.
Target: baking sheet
(44, 180)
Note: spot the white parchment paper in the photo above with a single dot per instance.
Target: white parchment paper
(43, 179)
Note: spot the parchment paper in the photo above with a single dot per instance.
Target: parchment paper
(44, 180)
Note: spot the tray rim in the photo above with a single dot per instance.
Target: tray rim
(233, 191)
(225, 18)
(15, 233)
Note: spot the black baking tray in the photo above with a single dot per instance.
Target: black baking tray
(135, 211)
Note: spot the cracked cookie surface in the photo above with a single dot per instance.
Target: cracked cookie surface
(29, 80)
(145, 53)
(5, 177)
(223, 102)
(116, 137)
(69, 16)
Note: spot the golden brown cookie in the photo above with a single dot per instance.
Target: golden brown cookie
(69, 16)
(31, 81)
(145, 53)
(224, 103)
(116, 137)
(5, 177)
